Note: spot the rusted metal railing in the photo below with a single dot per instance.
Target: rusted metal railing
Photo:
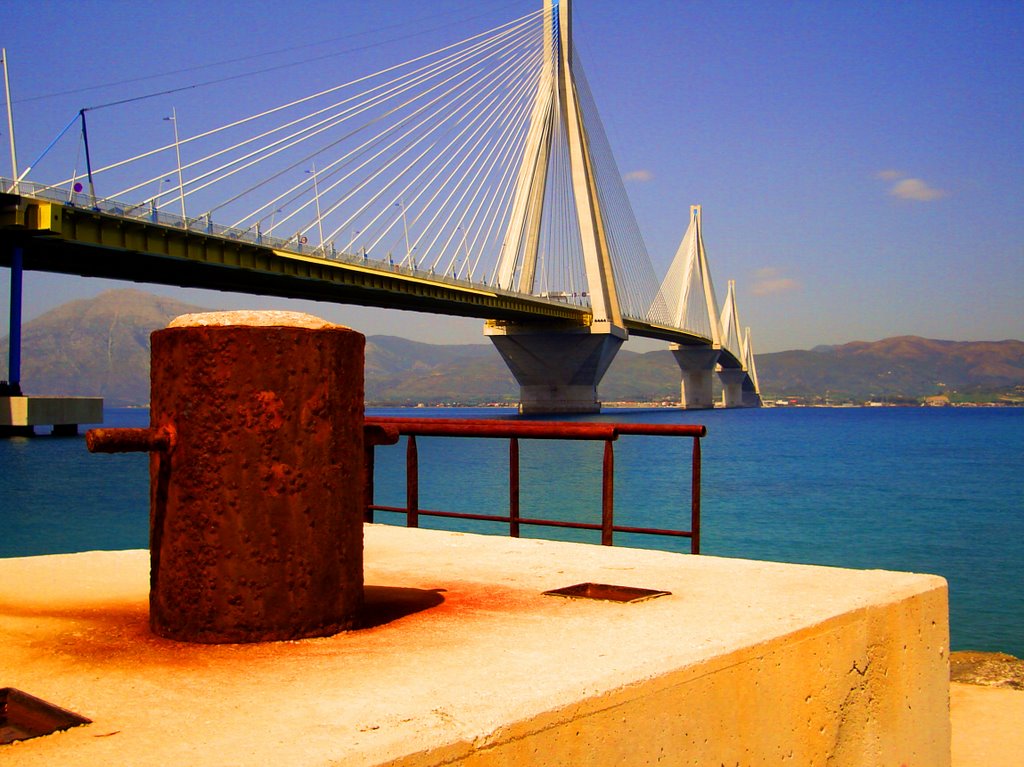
(387, 431)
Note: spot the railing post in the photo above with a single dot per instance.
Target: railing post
(607, 494)
(513, 487)
(695, 499)
(412, 484)
(368, 464)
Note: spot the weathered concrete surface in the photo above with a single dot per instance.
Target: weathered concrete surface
(467, 663)
(988, 726)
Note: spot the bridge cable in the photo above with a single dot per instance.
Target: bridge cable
(394, 84)
(304, 99)
(421, 77)
(423, 122)
(264, 55)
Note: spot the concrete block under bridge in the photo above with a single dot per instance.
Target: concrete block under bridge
(558, 368)
(463, 660)
(20, 415)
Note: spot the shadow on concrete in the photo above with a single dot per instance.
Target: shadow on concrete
(384, 604)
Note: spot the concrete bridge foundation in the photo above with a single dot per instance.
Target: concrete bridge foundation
(750, 396)
(558, 369)
(732, 387)
(697, 365)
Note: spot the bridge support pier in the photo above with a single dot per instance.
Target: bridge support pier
(558, 369)
(12, 387)
(732, 386)
(697, 365)
(750, 396)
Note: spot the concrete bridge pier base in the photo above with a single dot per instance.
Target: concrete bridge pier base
(732, 386)
(750, 397)
(697, 365)
(558, 369)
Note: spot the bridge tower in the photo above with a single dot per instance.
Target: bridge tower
(688, 289)
(733, 378)
(751, 386)
(558, 367)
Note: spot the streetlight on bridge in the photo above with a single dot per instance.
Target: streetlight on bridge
(316, 194)
(405, 226)
(177, 152)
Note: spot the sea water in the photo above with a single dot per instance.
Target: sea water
(919, 489)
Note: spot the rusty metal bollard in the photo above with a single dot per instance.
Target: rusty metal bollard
(256, 477)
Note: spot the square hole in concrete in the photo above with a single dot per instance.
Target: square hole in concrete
(24, 716)
(607, 592)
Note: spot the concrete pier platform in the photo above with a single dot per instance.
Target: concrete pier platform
(466, 661)
(20, 415)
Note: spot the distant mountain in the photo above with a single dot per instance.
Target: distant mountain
(100, 347)
(905, 367)
(406, 372)
(95, 347)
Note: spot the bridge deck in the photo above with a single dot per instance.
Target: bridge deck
(92, 242)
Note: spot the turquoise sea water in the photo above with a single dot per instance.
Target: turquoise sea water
(926, 490)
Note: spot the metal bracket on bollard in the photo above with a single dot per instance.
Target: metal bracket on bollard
(151, 440)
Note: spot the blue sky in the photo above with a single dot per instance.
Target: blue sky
(860, 165)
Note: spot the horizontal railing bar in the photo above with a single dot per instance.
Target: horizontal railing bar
(456, 427)
(662, 429)
(535, 522)
(413, 426)
(654, 531)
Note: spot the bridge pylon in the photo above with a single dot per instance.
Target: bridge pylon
(751, 387)
(558, 367)
(739, 384)
(691, 296)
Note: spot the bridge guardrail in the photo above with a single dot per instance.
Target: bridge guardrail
(387, 431)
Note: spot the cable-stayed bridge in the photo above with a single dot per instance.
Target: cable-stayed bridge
(475, 180)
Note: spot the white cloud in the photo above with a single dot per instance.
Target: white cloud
(916, 189)
(770, 281)
(638, 175)
(779, 285)
(909, 188)
(890, 175)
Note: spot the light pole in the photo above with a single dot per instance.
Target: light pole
(405, 226)
(316, 194)
(273, 219)
(10, 122)
(177, 152)
(465, 247)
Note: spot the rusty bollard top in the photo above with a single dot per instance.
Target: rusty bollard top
(252, 319)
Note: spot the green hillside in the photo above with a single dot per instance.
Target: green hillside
(100, 347)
